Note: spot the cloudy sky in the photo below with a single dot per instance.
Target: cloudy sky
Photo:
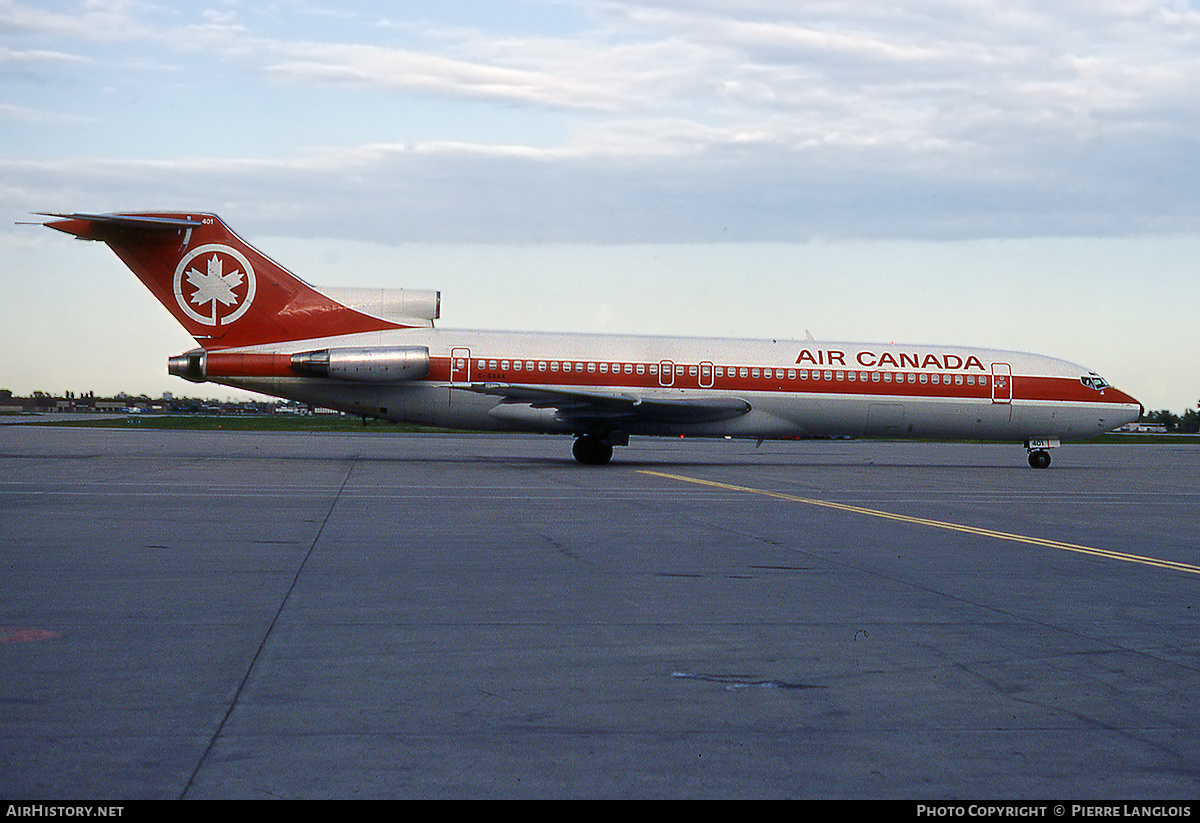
(998, 172)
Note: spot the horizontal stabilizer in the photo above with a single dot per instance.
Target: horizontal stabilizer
(91, 226)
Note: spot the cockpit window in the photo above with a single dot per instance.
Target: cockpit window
(1094, 381)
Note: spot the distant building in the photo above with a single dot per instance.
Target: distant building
(123, 403)
(1144, 428)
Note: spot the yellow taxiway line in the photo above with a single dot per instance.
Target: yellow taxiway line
(938, 524)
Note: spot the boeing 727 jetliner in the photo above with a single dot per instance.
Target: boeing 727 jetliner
(376, 353)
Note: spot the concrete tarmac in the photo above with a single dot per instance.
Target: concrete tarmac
(237, 615)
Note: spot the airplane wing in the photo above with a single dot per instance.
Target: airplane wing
(590, 407)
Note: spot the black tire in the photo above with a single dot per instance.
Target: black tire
(592, 451)
(1039, 459)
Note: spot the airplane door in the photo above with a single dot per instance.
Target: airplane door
(460, 365)
(706, 375)
(666, 373)
(1001, 383)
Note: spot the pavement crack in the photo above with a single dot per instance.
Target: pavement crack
(270, 629)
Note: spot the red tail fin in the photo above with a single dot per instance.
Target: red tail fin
(221, 289)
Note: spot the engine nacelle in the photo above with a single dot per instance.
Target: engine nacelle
(408, 307)
(191, 366)
(371, 365)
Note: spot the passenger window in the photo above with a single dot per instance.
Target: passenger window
(791, 374)
(743, 371)
(504, 365)
(851, 375)
(553, 365)
(924, 377)
(492, 364)
(874, 377)
(483, 364)
(970, 380)
(641, 368)
(804, 374)
(933, 378)
(629, 368)
(958, 381)
(887, 377)
(592, 367)
(982, 380)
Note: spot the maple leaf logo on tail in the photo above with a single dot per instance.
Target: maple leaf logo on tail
(219, 294)
(215, 286)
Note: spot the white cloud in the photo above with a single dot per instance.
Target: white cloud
(430, 74)
(109, 21)
(10, 58)
(763, 120)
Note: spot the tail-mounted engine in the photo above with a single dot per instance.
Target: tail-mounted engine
(371, 365)
(392, 364)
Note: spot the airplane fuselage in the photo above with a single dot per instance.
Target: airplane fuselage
(794, 388)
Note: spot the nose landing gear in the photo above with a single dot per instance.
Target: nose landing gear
(1039, 459)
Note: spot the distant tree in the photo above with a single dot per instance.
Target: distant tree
(1190, 422)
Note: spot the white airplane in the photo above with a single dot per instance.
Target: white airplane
(376, 353)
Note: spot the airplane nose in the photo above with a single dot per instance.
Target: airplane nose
(1126, 403)
(1141, 409)
(1125, 397)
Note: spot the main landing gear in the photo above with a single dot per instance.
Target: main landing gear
(592, 450)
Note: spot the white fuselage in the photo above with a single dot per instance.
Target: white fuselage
(794, 388)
